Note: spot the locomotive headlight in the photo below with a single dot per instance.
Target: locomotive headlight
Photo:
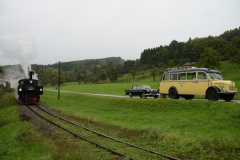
(20, 89)
(40, 89)
(31, 81)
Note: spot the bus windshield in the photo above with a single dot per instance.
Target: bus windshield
(215, 76)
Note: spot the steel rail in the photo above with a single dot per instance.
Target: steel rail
(78, 136)
(132, 145)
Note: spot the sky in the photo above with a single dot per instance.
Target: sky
(48, 31)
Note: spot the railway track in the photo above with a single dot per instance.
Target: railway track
(95, 132)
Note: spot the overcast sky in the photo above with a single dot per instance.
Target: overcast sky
(48, 31)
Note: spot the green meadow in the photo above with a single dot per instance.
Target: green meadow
(184, 129)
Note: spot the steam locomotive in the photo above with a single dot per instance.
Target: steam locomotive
(29, 91)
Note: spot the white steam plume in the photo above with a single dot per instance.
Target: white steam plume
(19, 46)
(13, 74)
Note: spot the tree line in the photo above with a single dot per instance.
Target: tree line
(87, 71)
(223, 47)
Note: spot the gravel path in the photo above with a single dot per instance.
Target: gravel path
(27, 115)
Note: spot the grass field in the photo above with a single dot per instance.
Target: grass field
(229, 72)
(185, 129)
(19, 140)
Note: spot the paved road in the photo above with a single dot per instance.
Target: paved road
(108, 95)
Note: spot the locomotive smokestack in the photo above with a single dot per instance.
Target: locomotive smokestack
(30, 74)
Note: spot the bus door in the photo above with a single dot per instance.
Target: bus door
(182, 82)
(202, 84)
(191, 84)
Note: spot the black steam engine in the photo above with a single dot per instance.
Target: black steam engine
(29, 91)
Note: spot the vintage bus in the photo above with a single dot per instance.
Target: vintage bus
(187, 82)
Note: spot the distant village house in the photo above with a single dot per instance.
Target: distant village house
(189, 64)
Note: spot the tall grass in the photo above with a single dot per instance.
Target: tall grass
(18, 140)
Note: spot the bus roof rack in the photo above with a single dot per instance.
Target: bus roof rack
(179, 68)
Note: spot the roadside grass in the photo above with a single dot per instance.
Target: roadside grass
(181, 128)
(18, 140)
(229, 72)
(106, 88)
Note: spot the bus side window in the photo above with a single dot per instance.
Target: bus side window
(191, 76)
(173, 77)
(166, 77)
(202, 75)
(182, 76)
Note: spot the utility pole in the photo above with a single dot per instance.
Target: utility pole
(59, 80)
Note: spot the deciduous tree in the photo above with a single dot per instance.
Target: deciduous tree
(113, 74)
(210, 58)
(236, 58)
(154, 72)
(133, 73)
(102, 75)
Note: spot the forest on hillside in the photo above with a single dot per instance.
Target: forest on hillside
(207, 52)
(226, 46)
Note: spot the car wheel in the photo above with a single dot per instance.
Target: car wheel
(130, 95)
(173, 94)
(144, 95)
(228, 97)
(212, 95)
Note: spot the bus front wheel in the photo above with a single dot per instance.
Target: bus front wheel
(212, 95)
